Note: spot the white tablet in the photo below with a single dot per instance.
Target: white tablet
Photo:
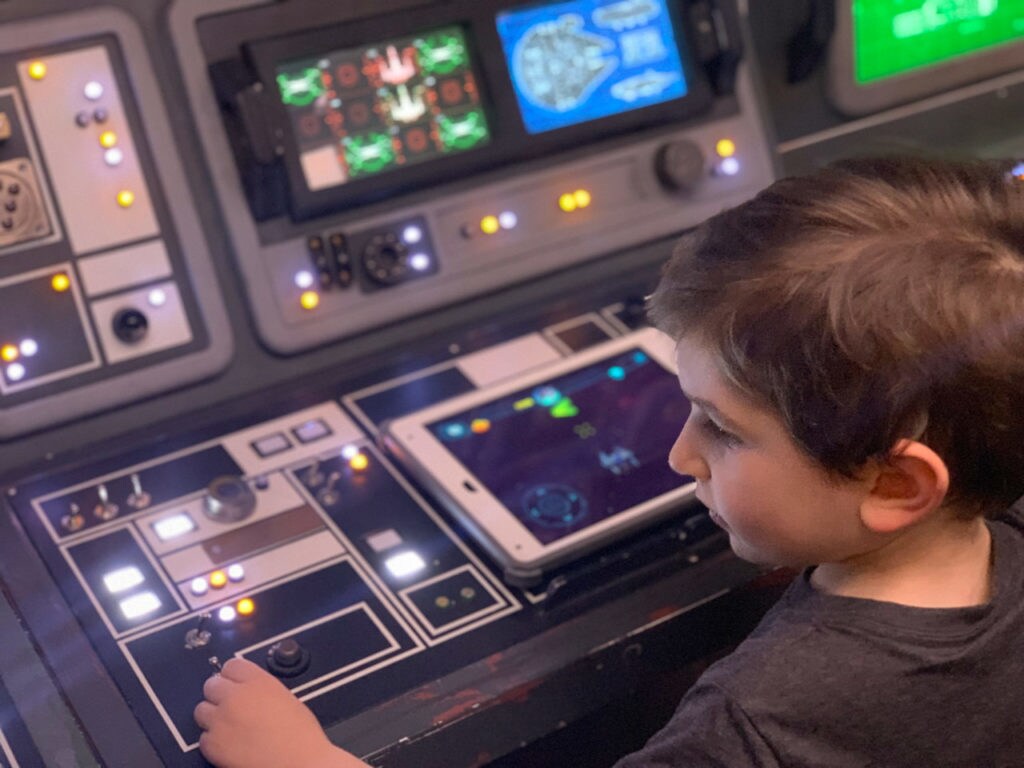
(559, 461)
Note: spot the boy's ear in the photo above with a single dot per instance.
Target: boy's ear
(909, 486)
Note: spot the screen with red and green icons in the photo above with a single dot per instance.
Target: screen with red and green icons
(891, 37)
(372, 109)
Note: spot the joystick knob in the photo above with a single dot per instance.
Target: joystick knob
(679, 165)
(287, 658)
(229, 499)
(130, 325)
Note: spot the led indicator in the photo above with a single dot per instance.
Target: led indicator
(108, 139)
(37, 70)
(508, 219)
(218, 579)
(304, 279)
(524, 404)
(236, 572)
(174, 526)
(123, 579)
(567, 202)
(455, 430)
(15, 372)
(29, 347)
(125, 198)
(137, 606)
(725, 148)
(617, 372)
(9, 353)
(480, 426)
(489, 225)
(113, 156)
(420, 262)
(199, 586)
(730, 166)
(245, 606)
(157, 297)
(60, 282)
(227, 614)
(412, 234)
(349, 452)
(359, 462)
(310, 300)
(546, 396)
(93, 90)
(582, 198)
(405, 564)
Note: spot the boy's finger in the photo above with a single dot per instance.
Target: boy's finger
(241, 670)
(204, 714)
(216, 688)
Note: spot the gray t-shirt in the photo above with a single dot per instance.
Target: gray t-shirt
(838, 682)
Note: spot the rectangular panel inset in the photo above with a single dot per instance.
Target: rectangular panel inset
(503, 361)
(124, 268)
(167, 323)
(452, 600)
(413, 394)
(262, 535)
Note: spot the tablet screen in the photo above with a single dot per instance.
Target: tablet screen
(575, 450)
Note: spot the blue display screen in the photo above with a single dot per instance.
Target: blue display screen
(576, 61)
(577, 449)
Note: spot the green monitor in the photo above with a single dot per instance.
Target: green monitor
(887, 52)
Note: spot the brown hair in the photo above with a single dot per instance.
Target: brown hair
(874, 300)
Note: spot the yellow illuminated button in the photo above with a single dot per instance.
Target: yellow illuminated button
(582, 198)
(479, 426)
(125, 198)
(310, 300)
(245, 606)
(9, 353)
(218, 579)
(725, 148)
(359, 462)
(60, 282)
(489, 225)
(567, 202)
(37, 70)
(108, 139)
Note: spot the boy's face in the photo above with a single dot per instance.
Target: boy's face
(778, 507)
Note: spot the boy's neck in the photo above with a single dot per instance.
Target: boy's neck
(942, 563)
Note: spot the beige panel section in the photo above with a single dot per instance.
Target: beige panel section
(124, 268)
(506, 360)
(85, 186)
(168, 324)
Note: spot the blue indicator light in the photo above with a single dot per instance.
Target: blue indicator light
(546, 396)
(454, 430)
(639, 357)
(617, 372)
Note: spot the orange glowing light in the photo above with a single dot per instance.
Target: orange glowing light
(108, 139)
(479, 426)
(582, 198)
(567, 202)
(725, 148)
(245, 606)
(218, 579)
(489, 225)
(60, 282)
(310, 300)
(37, 70)
(359, 462)
(9, 353)
(125, 198)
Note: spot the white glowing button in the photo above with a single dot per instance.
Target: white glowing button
(227, 613)
(412, 235)
(93, 90)
(349, 452)
(28, 348)
(730, 166)
(15, 372)
(236, 572)
(137, 606)
(123, 579)
(157, 297)
(419, 262)
(113, 156)
(507, 219)
(199, 586)
(304, 279)
(405, 564)
(174, 526)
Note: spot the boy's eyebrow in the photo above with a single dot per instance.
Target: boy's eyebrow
(711, 408)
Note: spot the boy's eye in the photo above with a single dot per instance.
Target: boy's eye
(716, 432)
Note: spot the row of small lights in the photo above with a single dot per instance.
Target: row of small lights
(112, 154)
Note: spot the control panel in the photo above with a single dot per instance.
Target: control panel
(372, 168)
(106, 289)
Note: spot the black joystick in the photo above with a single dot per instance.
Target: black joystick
(287, 658)
(130, 325)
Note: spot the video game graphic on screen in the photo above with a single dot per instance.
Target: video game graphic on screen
(896, 36)
(367, 110)
(578, 449)
(577, 61)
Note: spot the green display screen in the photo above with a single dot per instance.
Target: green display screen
(895, 36)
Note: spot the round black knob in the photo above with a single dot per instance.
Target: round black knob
(229, 499)
(679, 164)
(287, 658)
(385, 259)
(130, 325)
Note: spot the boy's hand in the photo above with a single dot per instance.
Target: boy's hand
(250, 719)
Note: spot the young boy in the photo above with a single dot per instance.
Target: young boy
(852, 343)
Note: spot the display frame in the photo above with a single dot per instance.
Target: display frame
(853, 98)
(523, 557)
(509, 139)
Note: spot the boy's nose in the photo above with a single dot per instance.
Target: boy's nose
(685, 460)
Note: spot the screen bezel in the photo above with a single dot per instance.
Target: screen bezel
(509, 139)
(496, 527)
(853, 98)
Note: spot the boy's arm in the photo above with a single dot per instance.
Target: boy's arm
(250, 719)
